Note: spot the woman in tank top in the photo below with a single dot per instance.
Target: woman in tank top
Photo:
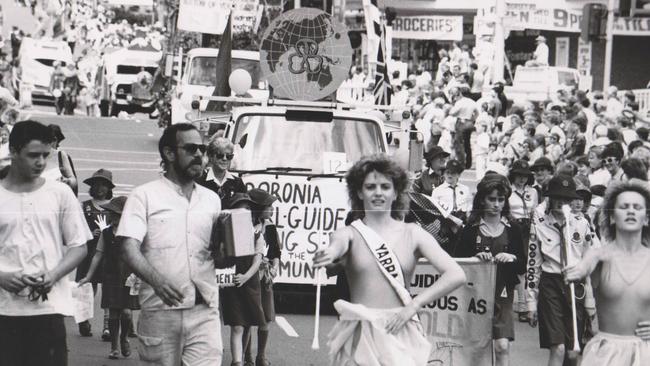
(619, 274)
(492, 235)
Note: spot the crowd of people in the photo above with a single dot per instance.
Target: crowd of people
(562, 203)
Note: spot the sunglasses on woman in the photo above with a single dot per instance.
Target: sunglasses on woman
(220, 156)
(610, 160)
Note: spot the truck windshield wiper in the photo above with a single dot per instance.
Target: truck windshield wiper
(287, 169)
(273, 169)
(338, 174)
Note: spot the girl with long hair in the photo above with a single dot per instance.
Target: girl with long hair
(492, 235)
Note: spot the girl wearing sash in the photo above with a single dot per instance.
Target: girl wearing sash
(619, 273)
(379, 252)
(492, 235)
(522, 202)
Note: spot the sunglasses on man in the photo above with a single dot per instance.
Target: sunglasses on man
(192, 148)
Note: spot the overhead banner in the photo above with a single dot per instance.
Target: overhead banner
(432, 27)
(204, 16)
(247, 16)
(459, 325)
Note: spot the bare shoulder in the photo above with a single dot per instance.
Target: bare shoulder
(420, 236)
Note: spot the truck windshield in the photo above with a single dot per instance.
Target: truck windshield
(323, 147)
(203, 70)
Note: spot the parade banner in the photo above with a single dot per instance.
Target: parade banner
(204, 16)
(459, 325)
(433, 27)
(306, 212)
(247, 16)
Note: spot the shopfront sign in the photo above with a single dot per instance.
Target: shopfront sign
(521, 16)
(433, 27)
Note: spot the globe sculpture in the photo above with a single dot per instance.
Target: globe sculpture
(305, 54)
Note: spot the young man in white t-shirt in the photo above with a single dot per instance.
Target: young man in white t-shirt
(43, 238)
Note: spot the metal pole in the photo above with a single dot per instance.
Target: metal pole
(609, 41)
(499, 41)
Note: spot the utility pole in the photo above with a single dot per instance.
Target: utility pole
(609, 43)
(499, 41)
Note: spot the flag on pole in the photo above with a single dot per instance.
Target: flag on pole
(222, 88)
(383, 90)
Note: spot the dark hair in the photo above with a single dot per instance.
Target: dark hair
(607, 228)
(633, 145)
(582, 160)
(635, 168)
(169, 138)
(93, 190)
(490, 182)
(382, 164)
(26, 131)
(643, 133)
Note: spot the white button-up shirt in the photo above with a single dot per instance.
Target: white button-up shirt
(523, 203)
(444, 195)
(175, 239)
(34, 229)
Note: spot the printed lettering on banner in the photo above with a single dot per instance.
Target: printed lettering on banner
(459, 325)
(247, 16)
(443, 28)
(225, 276)
(632, 26)
(306, 212)
(530, 16)
(204, 16)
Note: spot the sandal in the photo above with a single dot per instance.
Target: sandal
(523, 318)
(114, 355)
(125, 346)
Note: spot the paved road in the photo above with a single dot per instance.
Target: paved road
(129, 149)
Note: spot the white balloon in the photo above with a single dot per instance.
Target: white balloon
(240, 81)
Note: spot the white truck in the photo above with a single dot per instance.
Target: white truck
(200, 77)
(36, 58)
(539, 83)
(120, 89)
(300, 152)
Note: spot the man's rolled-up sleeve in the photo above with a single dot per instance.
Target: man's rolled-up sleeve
(133, 223)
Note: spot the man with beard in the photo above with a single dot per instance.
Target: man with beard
(166, 227)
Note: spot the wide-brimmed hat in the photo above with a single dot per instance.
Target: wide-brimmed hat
(101, 174)
(521, 167)
(540, 38)
(261, 197)
(562, 186)
(239, 198)
(115, 205)
(434, 152)
(542, 163)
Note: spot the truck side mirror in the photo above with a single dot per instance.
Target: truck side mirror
(242, 141)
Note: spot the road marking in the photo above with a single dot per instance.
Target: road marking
(117, 161)
(111, 151)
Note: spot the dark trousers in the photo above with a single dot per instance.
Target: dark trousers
(462, 143)
(37, 340)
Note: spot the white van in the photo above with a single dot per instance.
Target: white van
(200, 77)
(35, 59)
